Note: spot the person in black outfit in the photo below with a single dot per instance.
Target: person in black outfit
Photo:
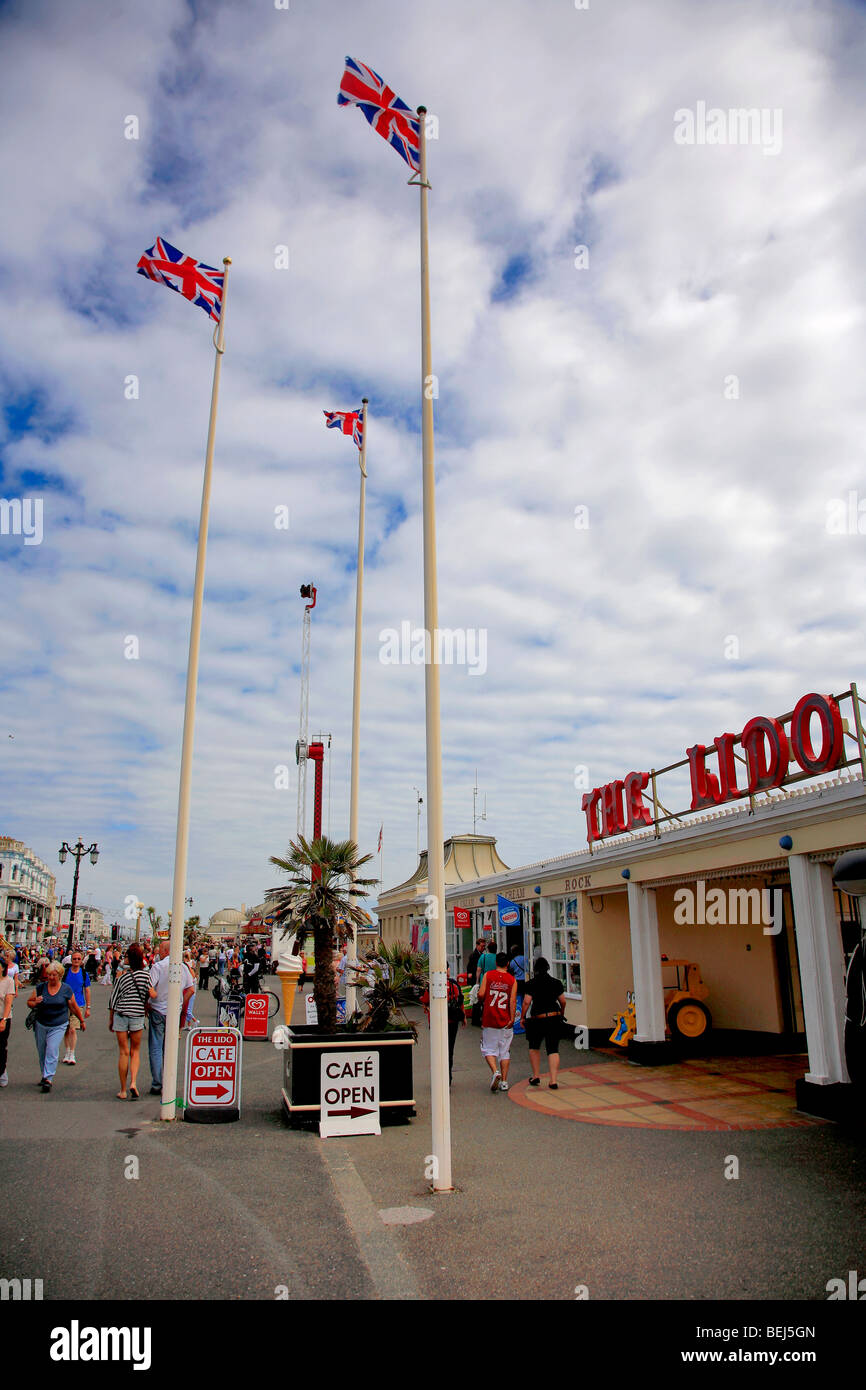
(546, 1000)
(472, 976)
(456, 1016)
(252, 971)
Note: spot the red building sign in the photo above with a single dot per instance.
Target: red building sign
(771, 757)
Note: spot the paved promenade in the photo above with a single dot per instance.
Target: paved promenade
(545, 1206)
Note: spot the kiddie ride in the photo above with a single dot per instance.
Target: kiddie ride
(687, 1016)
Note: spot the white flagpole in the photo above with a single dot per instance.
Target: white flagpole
(352, 953)
(440, 1099)
(168, 1109)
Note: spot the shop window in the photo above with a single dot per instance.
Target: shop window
(532, 927)
(565, 964)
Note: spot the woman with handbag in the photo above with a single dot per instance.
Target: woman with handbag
(53, 1003)
(127, 1009)
(546, 999)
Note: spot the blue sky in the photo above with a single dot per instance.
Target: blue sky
(559, 385)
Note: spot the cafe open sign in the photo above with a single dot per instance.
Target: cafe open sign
(213, 1071)
(350, 1093)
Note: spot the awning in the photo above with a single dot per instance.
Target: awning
(765, 866)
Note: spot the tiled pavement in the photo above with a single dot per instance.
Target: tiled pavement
(723, 1093)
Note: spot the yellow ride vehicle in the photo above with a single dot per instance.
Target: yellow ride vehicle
(687, 1016)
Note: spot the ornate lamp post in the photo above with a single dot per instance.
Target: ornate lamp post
(78, 851)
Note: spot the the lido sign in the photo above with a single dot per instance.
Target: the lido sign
(768, 751)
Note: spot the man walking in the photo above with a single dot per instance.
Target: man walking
(158, 1010)
(472, 976)
(498, 997)
(78, 980)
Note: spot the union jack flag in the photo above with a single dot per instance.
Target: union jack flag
(348, 422)
(387, 114)
(201, 283)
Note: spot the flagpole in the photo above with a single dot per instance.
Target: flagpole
(352, 953)
(440, 1100)
(168, 1108)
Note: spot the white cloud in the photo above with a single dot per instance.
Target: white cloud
(601, 386)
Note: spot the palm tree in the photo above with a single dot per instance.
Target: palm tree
(395, 976)
(155, 922)
(321, 898)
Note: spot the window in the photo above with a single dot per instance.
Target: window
(452, 946)
(565, 965)
(532, 928)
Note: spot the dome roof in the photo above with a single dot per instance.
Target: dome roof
(227, 917)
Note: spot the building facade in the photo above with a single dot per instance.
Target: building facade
(27, 893)
(743, 890)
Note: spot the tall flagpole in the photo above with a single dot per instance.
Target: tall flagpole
(352, 953)
(440, 1100)
(168, 1108)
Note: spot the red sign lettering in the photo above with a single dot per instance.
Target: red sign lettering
(619, 806)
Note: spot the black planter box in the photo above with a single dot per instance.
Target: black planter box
(302, 1071)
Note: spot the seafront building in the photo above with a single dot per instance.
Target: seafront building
(27, 893)
(740, 884)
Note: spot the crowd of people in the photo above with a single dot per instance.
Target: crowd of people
(59, 1003)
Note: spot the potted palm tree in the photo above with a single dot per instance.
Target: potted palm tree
(321, 900)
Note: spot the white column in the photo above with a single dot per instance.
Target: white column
(646, 963)
(819, 947)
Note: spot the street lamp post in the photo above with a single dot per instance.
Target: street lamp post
(78, 852)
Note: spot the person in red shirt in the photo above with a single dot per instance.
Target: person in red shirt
(498, 999)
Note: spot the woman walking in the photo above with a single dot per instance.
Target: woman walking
(547, 999)
(55, 1005)
(7, 996)
(126, 1013)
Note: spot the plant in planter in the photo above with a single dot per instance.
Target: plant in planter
(394, 977)
(321, 898)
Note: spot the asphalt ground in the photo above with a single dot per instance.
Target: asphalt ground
(544, 1209)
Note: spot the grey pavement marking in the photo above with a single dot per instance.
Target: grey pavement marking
(404, 1216)
(380, 1252)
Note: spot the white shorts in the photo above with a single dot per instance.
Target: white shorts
(496, 1042)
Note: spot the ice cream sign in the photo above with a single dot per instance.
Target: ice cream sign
(772, 755)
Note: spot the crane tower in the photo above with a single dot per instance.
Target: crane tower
(302, 747)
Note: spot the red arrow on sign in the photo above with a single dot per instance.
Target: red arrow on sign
(353, 1113)
(217, 1091)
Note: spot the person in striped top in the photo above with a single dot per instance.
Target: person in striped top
(127, 1009)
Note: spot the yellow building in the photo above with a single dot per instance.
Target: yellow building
(745, 891)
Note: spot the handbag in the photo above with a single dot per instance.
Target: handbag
(30, 1020)
(146, 1001)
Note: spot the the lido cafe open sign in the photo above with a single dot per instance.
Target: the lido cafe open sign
(808, 741)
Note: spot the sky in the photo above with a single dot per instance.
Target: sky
(648, 409)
